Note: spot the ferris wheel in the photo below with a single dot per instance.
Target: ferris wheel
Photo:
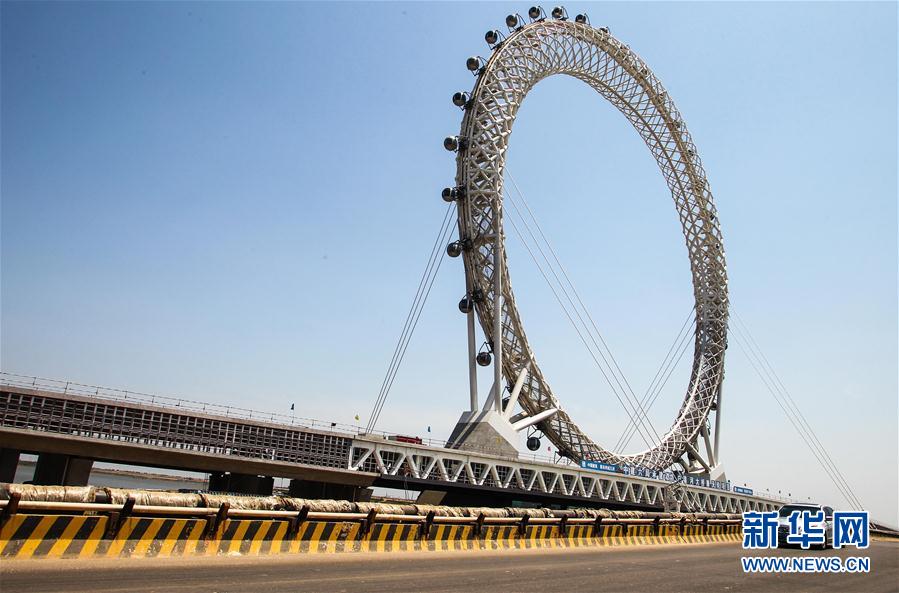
(530, 52)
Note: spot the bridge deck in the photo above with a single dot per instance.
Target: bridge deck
(46, 421)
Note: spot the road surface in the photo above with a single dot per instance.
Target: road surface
(695, 568)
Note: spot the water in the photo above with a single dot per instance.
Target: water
(134, 478)
(115, 479)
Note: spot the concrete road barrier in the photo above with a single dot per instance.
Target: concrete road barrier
(35, 523)
(82, 536)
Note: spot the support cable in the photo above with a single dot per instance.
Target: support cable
(626, 389)
(792, 420)
(577, 329)
(666, 369)
(412, 320)
(679, 349)
(421, 295)
(795, 406)
(785, 401)
(580, 301)
(670, 371)
(683, 349)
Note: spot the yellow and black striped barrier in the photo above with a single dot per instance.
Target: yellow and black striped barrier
(66, 530)
(83, 536)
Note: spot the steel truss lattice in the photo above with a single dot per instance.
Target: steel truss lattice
(530, 54)
(438, 465)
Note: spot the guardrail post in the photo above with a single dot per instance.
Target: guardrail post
(705, 526)
(213, 523)
(682, 527)
(522, 526)
(366, 523)
(479, 524)
(429, 522)
(656, 525)
(117, 518)
(295, 522)
(12, 505)
(563, 526)
(597, 527)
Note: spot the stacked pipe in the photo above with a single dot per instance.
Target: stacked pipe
(151, 498)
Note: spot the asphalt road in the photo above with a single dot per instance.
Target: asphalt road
(695, 568)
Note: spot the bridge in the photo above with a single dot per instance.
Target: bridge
(70, 426)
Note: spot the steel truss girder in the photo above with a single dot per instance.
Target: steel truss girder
(447, 465)
(527, 56)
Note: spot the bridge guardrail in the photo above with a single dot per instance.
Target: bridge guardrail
(122, 395)
(190, 405)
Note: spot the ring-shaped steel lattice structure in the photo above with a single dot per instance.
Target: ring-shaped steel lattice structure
(530, 54)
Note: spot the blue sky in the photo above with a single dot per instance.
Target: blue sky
(234, 202)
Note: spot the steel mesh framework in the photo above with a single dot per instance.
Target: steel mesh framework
(530, 54)
(167, 428)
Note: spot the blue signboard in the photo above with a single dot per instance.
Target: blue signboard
(740, 490)
(597, 466)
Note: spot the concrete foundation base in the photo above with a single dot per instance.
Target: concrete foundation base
(9, 462)
(241, 483)
(433, 497)
(485, 432)
(717, 473)
(53, 469)
(323, 490)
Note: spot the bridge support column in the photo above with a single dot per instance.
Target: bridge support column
(9, 462)
(53, 469)
(310, 489)
(241, 484)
